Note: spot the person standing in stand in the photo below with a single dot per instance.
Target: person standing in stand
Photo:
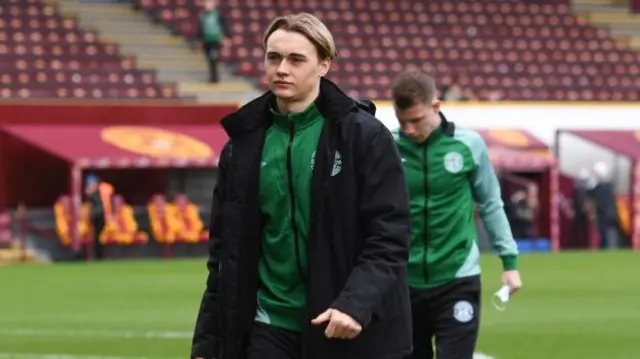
(212, 32)
(98, 194)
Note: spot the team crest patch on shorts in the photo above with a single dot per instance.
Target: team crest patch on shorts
(463, 311)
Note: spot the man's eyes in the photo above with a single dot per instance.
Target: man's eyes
(293, 59)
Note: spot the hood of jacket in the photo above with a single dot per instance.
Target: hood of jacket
(332, 102)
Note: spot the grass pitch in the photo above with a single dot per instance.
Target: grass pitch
(573, 305)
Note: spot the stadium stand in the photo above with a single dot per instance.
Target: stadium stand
(6, 233)
(518, 49)
(54, 58)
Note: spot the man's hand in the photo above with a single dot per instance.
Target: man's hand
(511, 278)
(341, 326)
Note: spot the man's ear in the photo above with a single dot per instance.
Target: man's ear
(436, 105)
(325, 65)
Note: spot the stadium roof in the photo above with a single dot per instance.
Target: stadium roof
(100, 146)
(624, 142)
(517, 149)
(514, 139)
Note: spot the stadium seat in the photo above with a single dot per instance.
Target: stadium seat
(62, 211)
(122, 228)
(164, 225)
(188, 216)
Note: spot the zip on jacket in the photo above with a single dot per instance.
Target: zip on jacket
(292, 197)
(425, 234)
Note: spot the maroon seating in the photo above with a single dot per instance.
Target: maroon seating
(6, 232)
(525, 50)
(46, 56)
(87, 91)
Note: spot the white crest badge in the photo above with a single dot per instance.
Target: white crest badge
(453, 162)
(463, 311)
(337, 163)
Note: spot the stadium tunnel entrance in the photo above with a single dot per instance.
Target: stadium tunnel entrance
(42, 162)
(621, 150)
(523, 162)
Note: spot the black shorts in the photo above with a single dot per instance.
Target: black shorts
(269, 342)
(451, 314)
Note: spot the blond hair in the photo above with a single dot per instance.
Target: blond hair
(310, 27)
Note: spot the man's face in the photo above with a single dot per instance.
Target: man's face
(418, 121)
(210, 5)
(292, 65)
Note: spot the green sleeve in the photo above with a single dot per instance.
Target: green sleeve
(487, 194)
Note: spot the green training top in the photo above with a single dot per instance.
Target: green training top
(447, 176)
(285, 195)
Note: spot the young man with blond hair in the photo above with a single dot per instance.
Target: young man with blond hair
(310, 225)
(448, 174)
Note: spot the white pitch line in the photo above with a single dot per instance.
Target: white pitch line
(481, 356)
(95, 333)
(64, 356)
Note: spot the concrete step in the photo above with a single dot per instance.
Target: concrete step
(219, 87)
(227, 97)
(169, 64)
(129, 30)
(162, 52)
(584, 9)
(592, 2)
(199, 75)
(195, 75)
(230, 92)
(625, 31)
(634, 43)
(155, 47)
(114, 23)
(105, 9)
(614, 19)
(143, 40)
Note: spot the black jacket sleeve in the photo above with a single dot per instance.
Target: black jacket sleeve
(207, 336)
(97, 207)
(384, 209)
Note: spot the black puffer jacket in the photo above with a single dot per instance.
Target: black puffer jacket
(359, 239)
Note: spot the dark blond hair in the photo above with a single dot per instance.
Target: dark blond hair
(412, 87)
(310, 27)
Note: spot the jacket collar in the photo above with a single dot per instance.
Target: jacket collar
(448, 128)
(332, 103)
